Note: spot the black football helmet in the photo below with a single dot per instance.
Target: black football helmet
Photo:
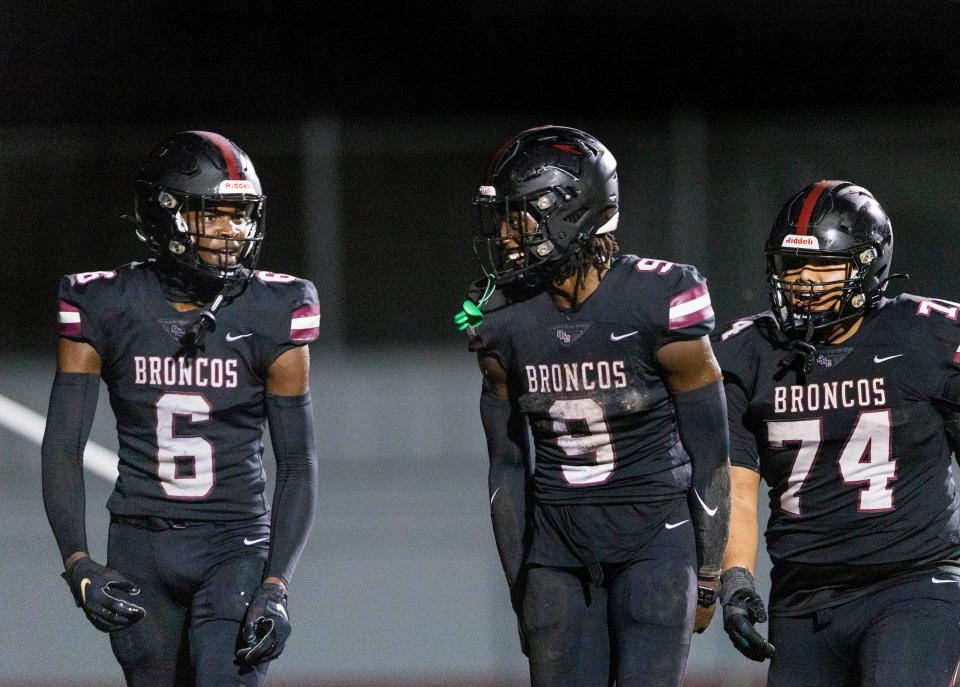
(831, 221)
(200, 171)
(554, 187)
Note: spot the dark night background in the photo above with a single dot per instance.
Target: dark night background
(87, 88)
(157, 62)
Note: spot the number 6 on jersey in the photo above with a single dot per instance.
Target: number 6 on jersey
(173, 449)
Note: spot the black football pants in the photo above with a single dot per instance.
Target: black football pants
(906, 635)
(632, 626)
(195, 581)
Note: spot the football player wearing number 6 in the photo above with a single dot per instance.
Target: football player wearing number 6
(198, 351)
(607, 360)
(839, 398)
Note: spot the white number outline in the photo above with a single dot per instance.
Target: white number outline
(807, 433)
(737, 327)
(87, 277)
(197, 409)
(654, 265)
(949, 310)
(597, 442)
(871, 434)
(276, 277)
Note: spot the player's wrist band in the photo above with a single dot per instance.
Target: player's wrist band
(707, 590)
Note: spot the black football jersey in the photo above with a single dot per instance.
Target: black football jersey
(589, 383)
(190, 428)
(854, 451)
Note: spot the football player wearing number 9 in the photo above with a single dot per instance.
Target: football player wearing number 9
(198, 350)
(839, 397)
(607, 358)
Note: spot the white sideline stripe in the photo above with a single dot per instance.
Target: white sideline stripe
(30, 425)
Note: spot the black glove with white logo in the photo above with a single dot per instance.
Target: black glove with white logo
(265, 627)
(104, 595)
(742, 609)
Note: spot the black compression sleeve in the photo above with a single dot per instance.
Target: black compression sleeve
(702, 423)
(73, 403)
(507, 479)
(295, 492)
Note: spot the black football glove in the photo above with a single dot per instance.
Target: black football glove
(265, 627)
(104, 595)
(742, 608)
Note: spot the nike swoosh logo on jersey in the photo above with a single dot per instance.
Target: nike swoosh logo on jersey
(251, 542)
(936, 581)
(710, 512)
(494, 495)
(617, 337)
(671, 525)
(83, 589)
(878, 359)
(231, 337)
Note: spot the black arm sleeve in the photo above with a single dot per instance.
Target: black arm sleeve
(702, 423)
(73, 403)
(295, 492)
(507, 480)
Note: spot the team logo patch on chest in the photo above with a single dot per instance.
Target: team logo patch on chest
(175, 328)
(569, 333)
(832, 357)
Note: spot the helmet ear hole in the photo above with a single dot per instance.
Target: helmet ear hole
(576, 215)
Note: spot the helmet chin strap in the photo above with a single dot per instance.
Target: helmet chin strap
(178, 288)
(179, 285)
(801, 355)
(803, 351)
(196, 330)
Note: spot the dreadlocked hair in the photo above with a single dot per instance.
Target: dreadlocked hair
(597, 252)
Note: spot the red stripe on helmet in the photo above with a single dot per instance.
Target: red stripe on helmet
(505, 146)
(226, 150)
(803, 221)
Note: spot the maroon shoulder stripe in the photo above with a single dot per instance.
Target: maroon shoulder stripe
(305, 323)
(68, 317)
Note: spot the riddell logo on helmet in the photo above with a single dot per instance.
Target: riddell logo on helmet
(236, 186)
(798, 241)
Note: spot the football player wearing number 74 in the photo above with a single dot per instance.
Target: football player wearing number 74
(841, 399)
(198, 350)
